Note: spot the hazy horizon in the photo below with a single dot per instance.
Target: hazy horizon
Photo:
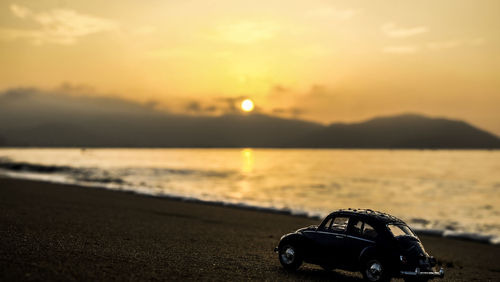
(30, 117)
(39, 101)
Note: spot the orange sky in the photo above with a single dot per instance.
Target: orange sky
(318, 60)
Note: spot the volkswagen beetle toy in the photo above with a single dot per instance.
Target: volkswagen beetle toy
(377, 244)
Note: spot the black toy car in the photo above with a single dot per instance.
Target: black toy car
(379, 245)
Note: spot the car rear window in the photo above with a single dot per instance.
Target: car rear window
(369, 231)
(400, 230)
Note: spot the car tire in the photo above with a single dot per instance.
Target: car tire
(327, 267)
(374, 270)
(290, 257)
(416, 279)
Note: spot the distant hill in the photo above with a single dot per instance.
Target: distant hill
(31, 118)
(403, 131)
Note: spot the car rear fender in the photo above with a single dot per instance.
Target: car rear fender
(369, 253)
(374, 252)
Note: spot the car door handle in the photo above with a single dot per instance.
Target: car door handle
(339, 237)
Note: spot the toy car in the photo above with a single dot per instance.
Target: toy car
(379, 245)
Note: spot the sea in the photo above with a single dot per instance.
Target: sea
(449, 193)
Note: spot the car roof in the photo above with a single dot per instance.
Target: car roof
(370, 215)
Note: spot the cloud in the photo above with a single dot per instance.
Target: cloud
(448, 44)
(20, 11)
(332, 13)
(68, 87)
(317, 100)
(477, 41)
(231, 104)
(293, 112)
(290, 101)
(246, 32)
(454, 43)
(61, 102)
(196, 107)
(433, 46)
(402, 49)
(143, 30)
(213, 107)
(170, 53)
(392, 30)
(280, 88)
(311, 51)
(58, 26)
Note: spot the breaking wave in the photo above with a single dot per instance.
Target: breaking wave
(6, 164)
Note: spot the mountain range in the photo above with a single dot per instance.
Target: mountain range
(29, 118)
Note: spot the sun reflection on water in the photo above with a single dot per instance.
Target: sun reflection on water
(243, 188)
(248, 160)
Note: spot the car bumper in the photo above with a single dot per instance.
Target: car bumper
(418, 273)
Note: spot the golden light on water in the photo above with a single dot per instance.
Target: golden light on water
(247, 160)
(247, 105)
(244, 185)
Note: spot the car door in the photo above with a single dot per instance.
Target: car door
(360, 235)
(328, 241)
(318, 239)
(335, 240)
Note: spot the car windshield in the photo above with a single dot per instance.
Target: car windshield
(400, 230)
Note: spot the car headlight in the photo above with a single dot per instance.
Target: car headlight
(432, 261)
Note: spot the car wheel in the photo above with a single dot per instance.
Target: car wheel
(416, 279)
(327, 267)
(375, 271)
(290, 257)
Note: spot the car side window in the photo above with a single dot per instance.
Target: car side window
(339, 224)
(357, 228)
(362, 229)
(369, 232)
(328, 223)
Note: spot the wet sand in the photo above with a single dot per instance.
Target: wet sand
(63, 232)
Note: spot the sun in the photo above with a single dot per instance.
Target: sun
(247, 105)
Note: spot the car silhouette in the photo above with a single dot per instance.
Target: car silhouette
(377, 244)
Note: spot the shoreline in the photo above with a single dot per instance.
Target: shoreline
(473, 237)
(262, 148)
(66, 232)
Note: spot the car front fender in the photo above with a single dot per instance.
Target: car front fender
(297, 239)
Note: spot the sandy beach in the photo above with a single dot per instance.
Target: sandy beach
(63, 232)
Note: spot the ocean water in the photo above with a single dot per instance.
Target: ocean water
(449, 193)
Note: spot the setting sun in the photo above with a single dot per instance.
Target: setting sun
(247, 105)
